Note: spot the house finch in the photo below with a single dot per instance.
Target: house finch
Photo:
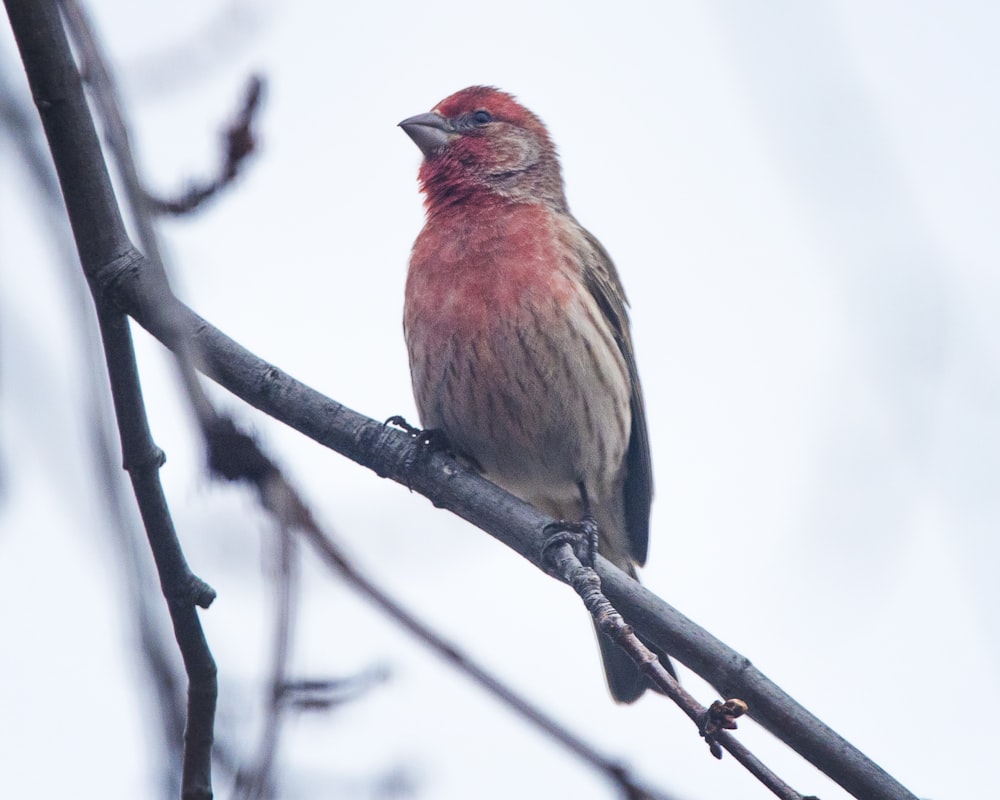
(518, 336)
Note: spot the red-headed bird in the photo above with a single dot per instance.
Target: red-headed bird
(518, 335)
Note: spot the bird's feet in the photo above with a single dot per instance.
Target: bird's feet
(432, 438)
(582, 536)
(428, 440)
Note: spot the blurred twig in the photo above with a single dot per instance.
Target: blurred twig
(240, 144)
(240, 139)
(106, 97)
(104, 91)
(712, 722)
(254, 779)
(210, 45)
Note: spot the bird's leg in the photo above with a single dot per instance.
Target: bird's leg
(582, 535)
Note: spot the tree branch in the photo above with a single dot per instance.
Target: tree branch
(237, 457)
(100, 235)
(393, 454)
(156, 647)
(712, 722)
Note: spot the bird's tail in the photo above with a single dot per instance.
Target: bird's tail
(625, 679)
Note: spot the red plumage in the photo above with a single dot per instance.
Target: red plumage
(518, 335)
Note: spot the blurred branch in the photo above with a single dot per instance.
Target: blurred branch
(120, 275)
(100, 235)
(93, 68)
(218, 37)
(156, 646)
(18, 120)
(240, 144)
(239, 138)
(106, 98)
(255, 780)
(320, 695)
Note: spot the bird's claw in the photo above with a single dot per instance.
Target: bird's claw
(432, 438)
(399, 421)
(582, 536)
(428, 440)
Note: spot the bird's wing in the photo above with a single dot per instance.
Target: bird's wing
(603, 283)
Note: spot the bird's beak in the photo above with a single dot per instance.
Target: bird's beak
(430, 132)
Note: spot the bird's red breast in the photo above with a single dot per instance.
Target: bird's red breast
(472, 265)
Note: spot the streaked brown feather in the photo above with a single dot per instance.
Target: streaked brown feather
(602, 280)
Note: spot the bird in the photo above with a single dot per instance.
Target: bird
(518, 334)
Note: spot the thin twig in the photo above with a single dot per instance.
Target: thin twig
(585, 581)
(181, 588)
(240, 141)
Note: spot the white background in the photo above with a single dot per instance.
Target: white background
(802, 200)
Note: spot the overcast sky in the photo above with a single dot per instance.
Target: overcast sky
(802, 201)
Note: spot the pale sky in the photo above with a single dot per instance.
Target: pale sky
(802, 201)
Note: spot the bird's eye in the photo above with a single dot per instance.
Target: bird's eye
(482, 117)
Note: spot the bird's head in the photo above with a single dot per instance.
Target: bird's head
(482, 140)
